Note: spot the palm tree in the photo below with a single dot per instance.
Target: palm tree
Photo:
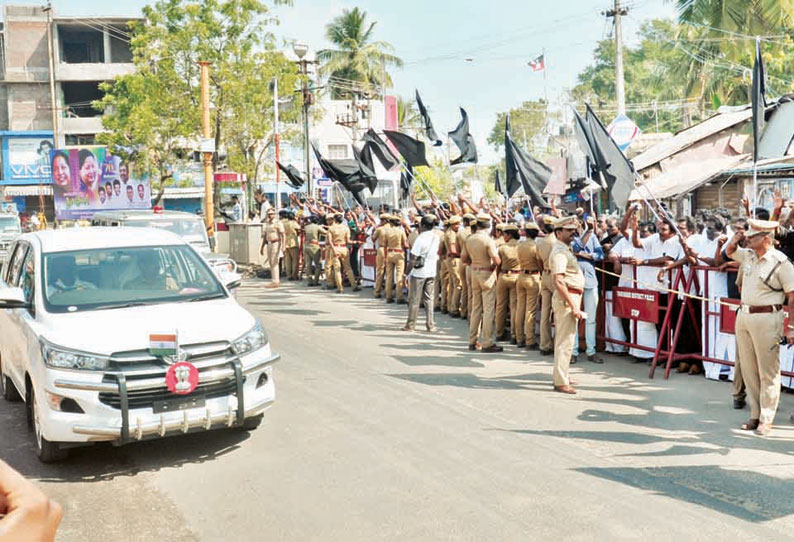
(408, 117)
(356, 63)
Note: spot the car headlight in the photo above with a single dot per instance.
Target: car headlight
(255, 339)
(64, 358)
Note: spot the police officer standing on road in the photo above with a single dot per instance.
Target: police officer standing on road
(339, 239)
(311, 250)
(568, 281)
(768, 281)
(528, 288)
(379, 239)
(482, 254)
(292, 246)
(545, 246)
(273, 237)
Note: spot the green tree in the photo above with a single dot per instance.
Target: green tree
(525, 121)
(155, 114)
(408, 118)
(355, 55)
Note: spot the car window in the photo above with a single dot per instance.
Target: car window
(107, 278)
(15, 264)
(27, 276)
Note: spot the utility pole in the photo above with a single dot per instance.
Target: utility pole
(276, 142)
(53, 99)
(209, 205)
(620, 85)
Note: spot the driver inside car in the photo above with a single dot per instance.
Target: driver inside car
(63, 276)
(150, 275)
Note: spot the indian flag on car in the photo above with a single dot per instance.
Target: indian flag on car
(163, 344)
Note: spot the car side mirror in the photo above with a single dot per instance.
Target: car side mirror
(234, 284)
(13, 298)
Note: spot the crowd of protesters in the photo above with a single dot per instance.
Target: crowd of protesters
(424, 258)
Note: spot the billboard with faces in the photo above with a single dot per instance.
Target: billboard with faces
(90, 179)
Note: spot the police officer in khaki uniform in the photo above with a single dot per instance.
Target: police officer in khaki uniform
(291, 230)
(506, 294)
(339, 239)
(328, 253)
(481, 253)
(465, 276)
(767, 282)
(396, 243)
(379, 238)
(311, 250)
(528, 288)
(568, 281)
(545, 245)
(452, 250)
(443, 270)
(273, 237)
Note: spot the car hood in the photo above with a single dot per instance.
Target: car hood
(118, 330)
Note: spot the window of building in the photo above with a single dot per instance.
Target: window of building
(81, 45)
(80, 139)
(120, 51)
(337, 152)
(78, 97)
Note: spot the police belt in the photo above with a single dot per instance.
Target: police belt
(757, 309)
(452, 256)
(511, 272)
(394, 249)
(474, 268)
(573, 290)
(530, 271)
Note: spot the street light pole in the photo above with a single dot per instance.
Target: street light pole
(300, 50)
(209, 206)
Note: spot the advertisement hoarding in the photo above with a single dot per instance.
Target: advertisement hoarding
(26, 157)
(90, 179)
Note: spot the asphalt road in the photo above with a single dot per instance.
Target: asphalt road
(378, 434)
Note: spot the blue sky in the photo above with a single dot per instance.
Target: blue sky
(435, 37)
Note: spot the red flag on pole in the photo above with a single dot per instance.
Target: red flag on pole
(539, 64)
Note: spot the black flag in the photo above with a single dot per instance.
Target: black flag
(366, 168)
(758, 97)
(345, 172)
(412, 150)
(497, 181)
(533, 174)
(617, 170)
(430, 132)
(585, 138)
(381, 150)
(295, 179)
(464, 141)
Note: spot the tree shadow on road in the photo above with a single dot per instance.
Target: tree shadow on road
(532, 381)
(747, 495)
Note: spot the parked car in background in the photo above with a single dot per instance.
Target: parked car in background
(123, 334)
(10, 229)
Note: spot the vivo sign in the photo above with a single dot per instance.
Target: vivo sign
(26, 157)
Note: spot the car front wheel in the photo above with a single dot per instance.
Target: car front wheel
(47, 452)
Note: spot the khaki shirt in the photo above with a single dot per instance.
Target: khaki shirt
(451, 243)
(379, 235)
(291, 229)
(463, 235)
(508, 253)
(272, 230)
(545, 244)
(528, 255)
(339, 234)
(480, 248)
(499, 241)
(312, 235)
(756, 289)
(395, 238)
(563, 262)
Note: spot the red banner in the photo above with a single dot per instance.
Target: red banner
(634, 304)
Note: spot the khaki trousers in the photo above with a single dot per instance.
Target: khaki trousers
(527, 292)
(483, 297)
(329, 262)
(395, 271)
(453, 288)
(758, 349)
(420, 291)
(311, 261)
(341, 260)
(506, 294)
(272, 261)
(380, 269)
(546, 293)
(564, 333)
(739, 389)
(444, 283)
(291, 262)
(463, 272)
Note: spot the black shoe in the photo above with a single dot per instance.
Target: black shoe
(357, 289)
(390, 300)
(493, 348)
(546, 352)
(513, 340)
(521, 344)
(474, 346)
(454, 315)
(443, 311)
(574, 360)
(377, 296)
(436, 309)
(533, 346)
(402, 302)
(738, 404)
(595, 359)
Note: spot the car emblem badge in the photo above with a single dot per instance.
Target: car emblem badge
(182, 378)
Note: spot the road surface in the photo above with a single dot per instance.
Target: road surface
(378, 434)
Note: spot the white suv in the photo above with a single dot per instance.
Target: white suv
(121, 334)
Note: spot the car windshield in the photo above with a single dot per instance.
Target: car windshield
(86, 280)
(9, 224)
(182, 227)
